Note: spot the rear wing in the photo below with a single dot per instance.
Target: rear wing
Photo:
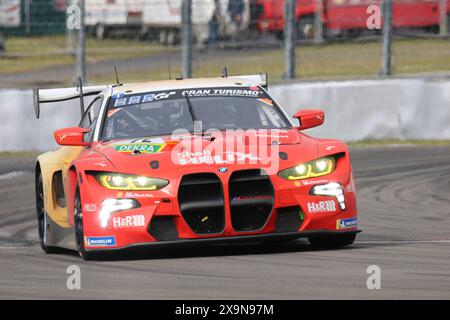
(257, 79)
(63, 94)
(261, 79)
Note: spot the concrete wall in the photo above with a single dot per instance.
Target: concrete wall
(373, 109)
(355, 110)
(20, 130)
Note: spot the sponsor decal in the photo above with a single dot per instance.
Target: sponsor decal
(101, 164)
(328, 148)
(148, 140)
(266, 101)
(129, 221)
(141, 147)
(143, 98)
(322, 206)
(107, 241)
(223, 92)
(131, 194)
(62, 137)
(90, 207)
(206, 157)
(313, 182)
(122, 100)
(346, 223)
(252, 198)
(113, 112)
(274, 135)
(118, 95)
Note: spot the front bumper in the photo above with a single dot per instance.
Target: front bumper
(267, 237)
(172, 204)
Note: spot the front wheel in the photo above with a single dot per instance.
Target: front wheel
(332, 242)
(42, 217)
(79, 227)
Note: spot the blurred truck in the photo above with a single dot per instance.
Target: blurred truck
(161, 19)
(9, 18)
(344, 16)
(106, 16)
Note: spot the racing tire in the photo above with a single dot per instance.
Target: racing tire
(332, 242)
(42, 218)
(78, 225)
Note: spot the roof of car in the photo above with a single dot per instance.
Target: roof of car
(181, 84)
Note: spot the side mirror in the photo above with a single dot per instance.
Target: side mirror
(72, 136)
(309, 118)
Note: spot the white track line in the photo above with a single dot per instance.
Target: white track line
(11, 175)
(404, 241)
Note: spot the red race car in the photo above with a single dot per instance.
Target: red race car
(207, 161)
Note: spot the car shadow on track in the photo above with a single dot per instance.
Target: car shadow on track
(197, 251)
(204, 251)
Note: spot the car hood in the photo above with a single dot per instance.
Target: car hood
(217, 148)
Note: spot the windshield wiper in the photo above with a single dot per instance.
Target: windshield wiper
(190, 108)
(197, 123)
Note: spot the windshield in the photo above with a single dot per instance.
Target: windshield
(161, 113)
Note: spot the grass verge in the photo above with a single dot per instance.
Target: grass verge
(329, 61)
(27, 54)
(24, 154)
(333, 61)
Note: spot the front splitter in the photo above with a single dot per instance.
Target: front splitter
(226, 240)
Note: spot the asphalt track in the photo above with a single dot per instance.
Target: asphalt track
(404, 207)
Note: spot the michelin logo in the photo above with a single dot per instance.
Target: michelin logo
(101, 241)
(346, 223)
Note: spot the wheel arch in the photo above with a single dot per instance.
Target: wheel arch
(72, 179)
(47, 169)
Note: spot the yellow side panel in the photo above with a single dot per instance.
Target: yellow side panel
(51, 162)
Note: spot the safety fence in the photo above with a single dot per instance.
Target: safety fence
(40, 42)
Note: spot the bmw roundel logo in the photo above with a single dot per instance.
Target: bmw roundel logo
(223, 169)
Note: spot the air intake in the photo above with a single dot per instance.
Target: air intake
(251, 199)
(200, 198)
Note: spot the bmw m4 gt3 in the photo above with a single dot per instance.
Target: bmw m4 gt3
(207, 161)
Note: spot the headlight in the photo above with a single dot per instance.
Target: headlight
(117, 181)
(113, 205)
(332, 189)
(312, 169)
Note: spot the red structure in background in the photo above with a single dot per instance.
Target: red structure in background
(341, 15)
